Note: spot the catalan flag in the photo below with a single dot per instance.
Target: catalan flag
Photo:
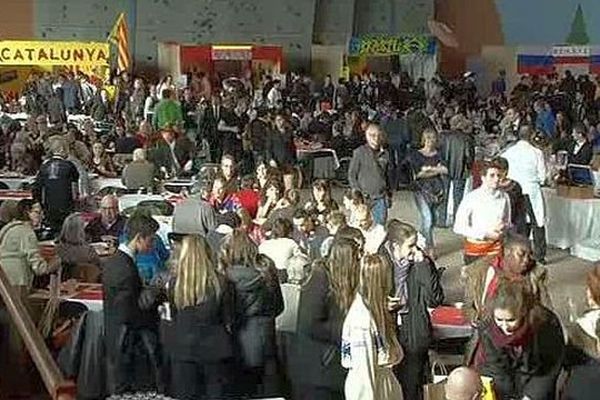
(119, 36)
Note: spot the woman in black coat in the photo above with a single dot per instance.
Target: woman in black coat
(314, 356)
(582, 358)
(258, 301)
(521, 348)
(200, 343)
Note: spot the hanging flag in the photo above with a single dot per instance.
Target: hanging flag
(119, 36)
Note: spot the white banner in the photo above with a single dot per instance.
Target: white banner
(571, 51)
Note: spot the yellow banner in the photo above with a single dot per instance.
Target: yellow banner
(17, 52)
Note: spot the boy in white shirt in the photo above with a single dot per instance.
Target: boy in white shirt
(483, 216)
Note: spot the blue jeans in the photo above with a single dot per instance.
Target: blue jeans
(426, 216)
(379, 210)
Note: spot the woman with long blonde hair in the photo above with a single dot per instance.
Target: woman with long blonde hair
(369, 345)
(200, 343)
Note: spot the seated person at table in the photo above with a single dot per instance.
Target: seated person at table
(221, 201)
(139, 173)
(522, 346)
(272, 199)
(515, 262)
(229, 172)
(36, 216)
(308, 234)
(130, 315)
(580, 149)
(101, 161)
(153, 261)
(286, 210)
(109, 225)
(281, 247)
(128, 143)
(248, 196)
(171, 154)
(73, 250)
(321, 203)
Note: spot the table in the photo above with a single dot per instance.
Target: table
(17, 182)
(88, 294)
(98, 183)
(450, 323)
(321, 163)
(570, 222)
(8, 194)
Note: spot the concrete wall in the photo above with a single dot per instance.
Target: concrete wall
(284, 22)
(334, 20)
(293, 24)
(393, 16)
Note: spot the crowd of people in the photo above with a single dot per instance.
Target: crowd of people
(210, 312)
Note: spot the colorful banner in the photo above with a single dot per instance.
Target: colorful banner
(391, 45)
(16, 52)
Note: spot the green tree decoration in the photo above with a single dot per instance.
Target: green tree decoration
(578, 34)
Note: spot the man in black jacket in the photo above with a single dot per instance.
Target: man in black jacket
(368, 173)
(458, 154)
(417, 288)
(56, 185)
(130, 314)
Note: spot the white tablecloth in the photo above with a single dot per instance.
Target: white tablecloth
(15, 183)
(570, 221)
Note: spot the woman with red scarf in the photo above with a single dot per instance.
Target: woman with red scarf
(521, 346)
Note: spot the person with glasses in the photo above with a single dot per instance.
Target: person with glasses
(109, 225)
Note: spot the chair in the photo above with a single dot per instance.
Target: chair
(158, 207)
(87, 273)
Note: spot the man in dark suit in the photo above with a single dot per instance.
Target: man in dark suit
(130, 314)
(172, 154)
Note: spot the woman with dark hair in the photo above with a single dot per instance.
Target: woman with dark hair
(582, 358)
(272, 199)
(322, 202)
(73, 249)
(315, 358)
(280, 247)
(258, 301)
(521, 346)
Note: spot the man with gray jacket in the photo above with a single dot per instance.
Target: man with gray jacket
(369, 173)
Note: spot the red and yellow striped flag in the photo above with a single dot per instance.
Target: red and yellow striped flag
(119, 36)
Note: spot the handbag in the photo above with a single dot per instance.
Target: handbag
(435, 390)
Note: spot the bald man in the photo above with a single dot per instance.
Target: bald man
(464, 384)
(109, 224)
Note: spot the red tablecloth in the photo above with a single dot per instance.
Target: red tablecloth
(9, 194)
(446, 315)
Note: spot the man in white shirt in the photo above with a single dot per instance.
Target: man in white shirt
(374, 233)
(483, 216)
(274, 98)
(527, 166)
